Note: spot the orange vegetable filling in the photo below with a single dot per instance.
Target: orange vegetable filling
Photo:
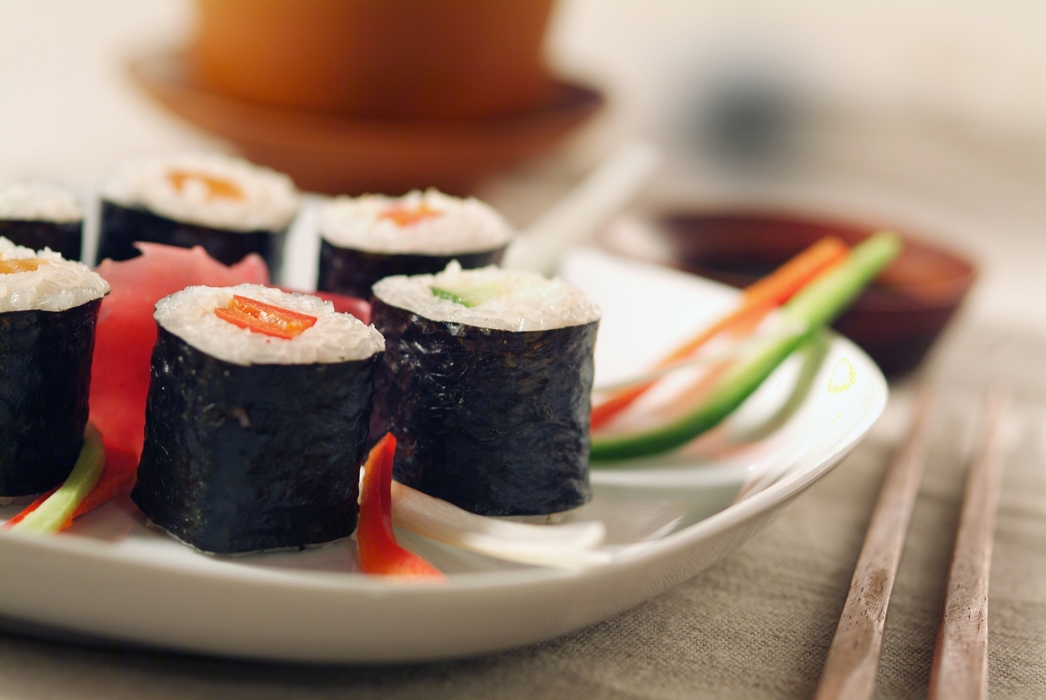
(8, 267)
(259, 317)
(405, 216)
(217, 188)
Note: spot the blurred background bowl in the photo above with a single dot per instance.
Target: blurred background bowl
(418, 59)
(896, 320)
(347, 154)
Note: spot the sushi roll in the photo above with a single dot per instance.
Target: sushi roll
(256, 419)
(486, 385)
(48, 310)
(365, 239)
(37, 215)
(227, 205)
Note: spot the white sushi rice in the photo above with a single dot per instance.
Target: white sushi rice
(38, 201)
(463, 226)
(269, 199)
(336, 337)
(56, 285)
(531, 302)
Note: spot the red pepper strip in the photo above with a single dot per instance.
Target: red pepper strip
(30, 508)
(259, 317)
(13, 265)
(379, 552)
(405, 216)
(117, 477)
(217, 187)
(121, 468)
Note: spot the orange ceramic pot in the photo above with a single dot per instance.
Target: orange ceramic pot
(376, 58)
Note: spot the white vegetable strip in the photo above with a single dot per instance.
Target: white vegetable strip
(730, 351)
(566, 546)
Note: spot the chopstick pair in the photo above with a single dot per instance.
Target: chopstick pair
(960, 662)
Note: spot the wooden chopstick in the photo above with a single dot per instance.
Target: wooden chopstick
(852, 664)
(960, 658)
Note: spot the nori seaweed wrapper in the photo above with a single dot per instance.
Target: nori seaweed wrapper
(494, 421)
(45, 379)
(354, 272)
(246, 458)
(122, 227)
(65, 237)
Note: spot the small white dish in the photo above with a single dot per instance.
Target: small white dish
(109, 577)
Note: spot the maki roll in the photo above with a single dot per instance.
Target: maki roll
(227, 205)
(365, 239)
(256, 419)
(38, 215)
(48, 310)
(486, 385)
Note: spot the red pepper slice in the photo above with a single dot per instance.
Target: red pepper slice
(217, 187)
(29, 508)
(405, 216)
(13, 265)
(259, 317)
(379, 552)
(117, 477)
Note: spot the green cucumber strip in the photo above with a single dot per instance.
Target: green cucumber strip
(57, 509)
(813, 307)
(470, 296)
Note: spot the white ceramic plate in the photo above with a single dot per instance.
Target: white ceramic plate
(110, 577)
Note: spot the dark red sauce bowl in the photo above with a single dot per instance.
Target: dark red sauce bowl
(895, 321)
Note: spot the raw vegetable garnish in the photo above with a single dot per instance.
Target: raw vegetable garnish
(384, 503)
(471, 296)
(259, 317)
(757, 301)
(380, 553)
(814, 306)
(567, 546)
(405, 216)
(54, 511)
